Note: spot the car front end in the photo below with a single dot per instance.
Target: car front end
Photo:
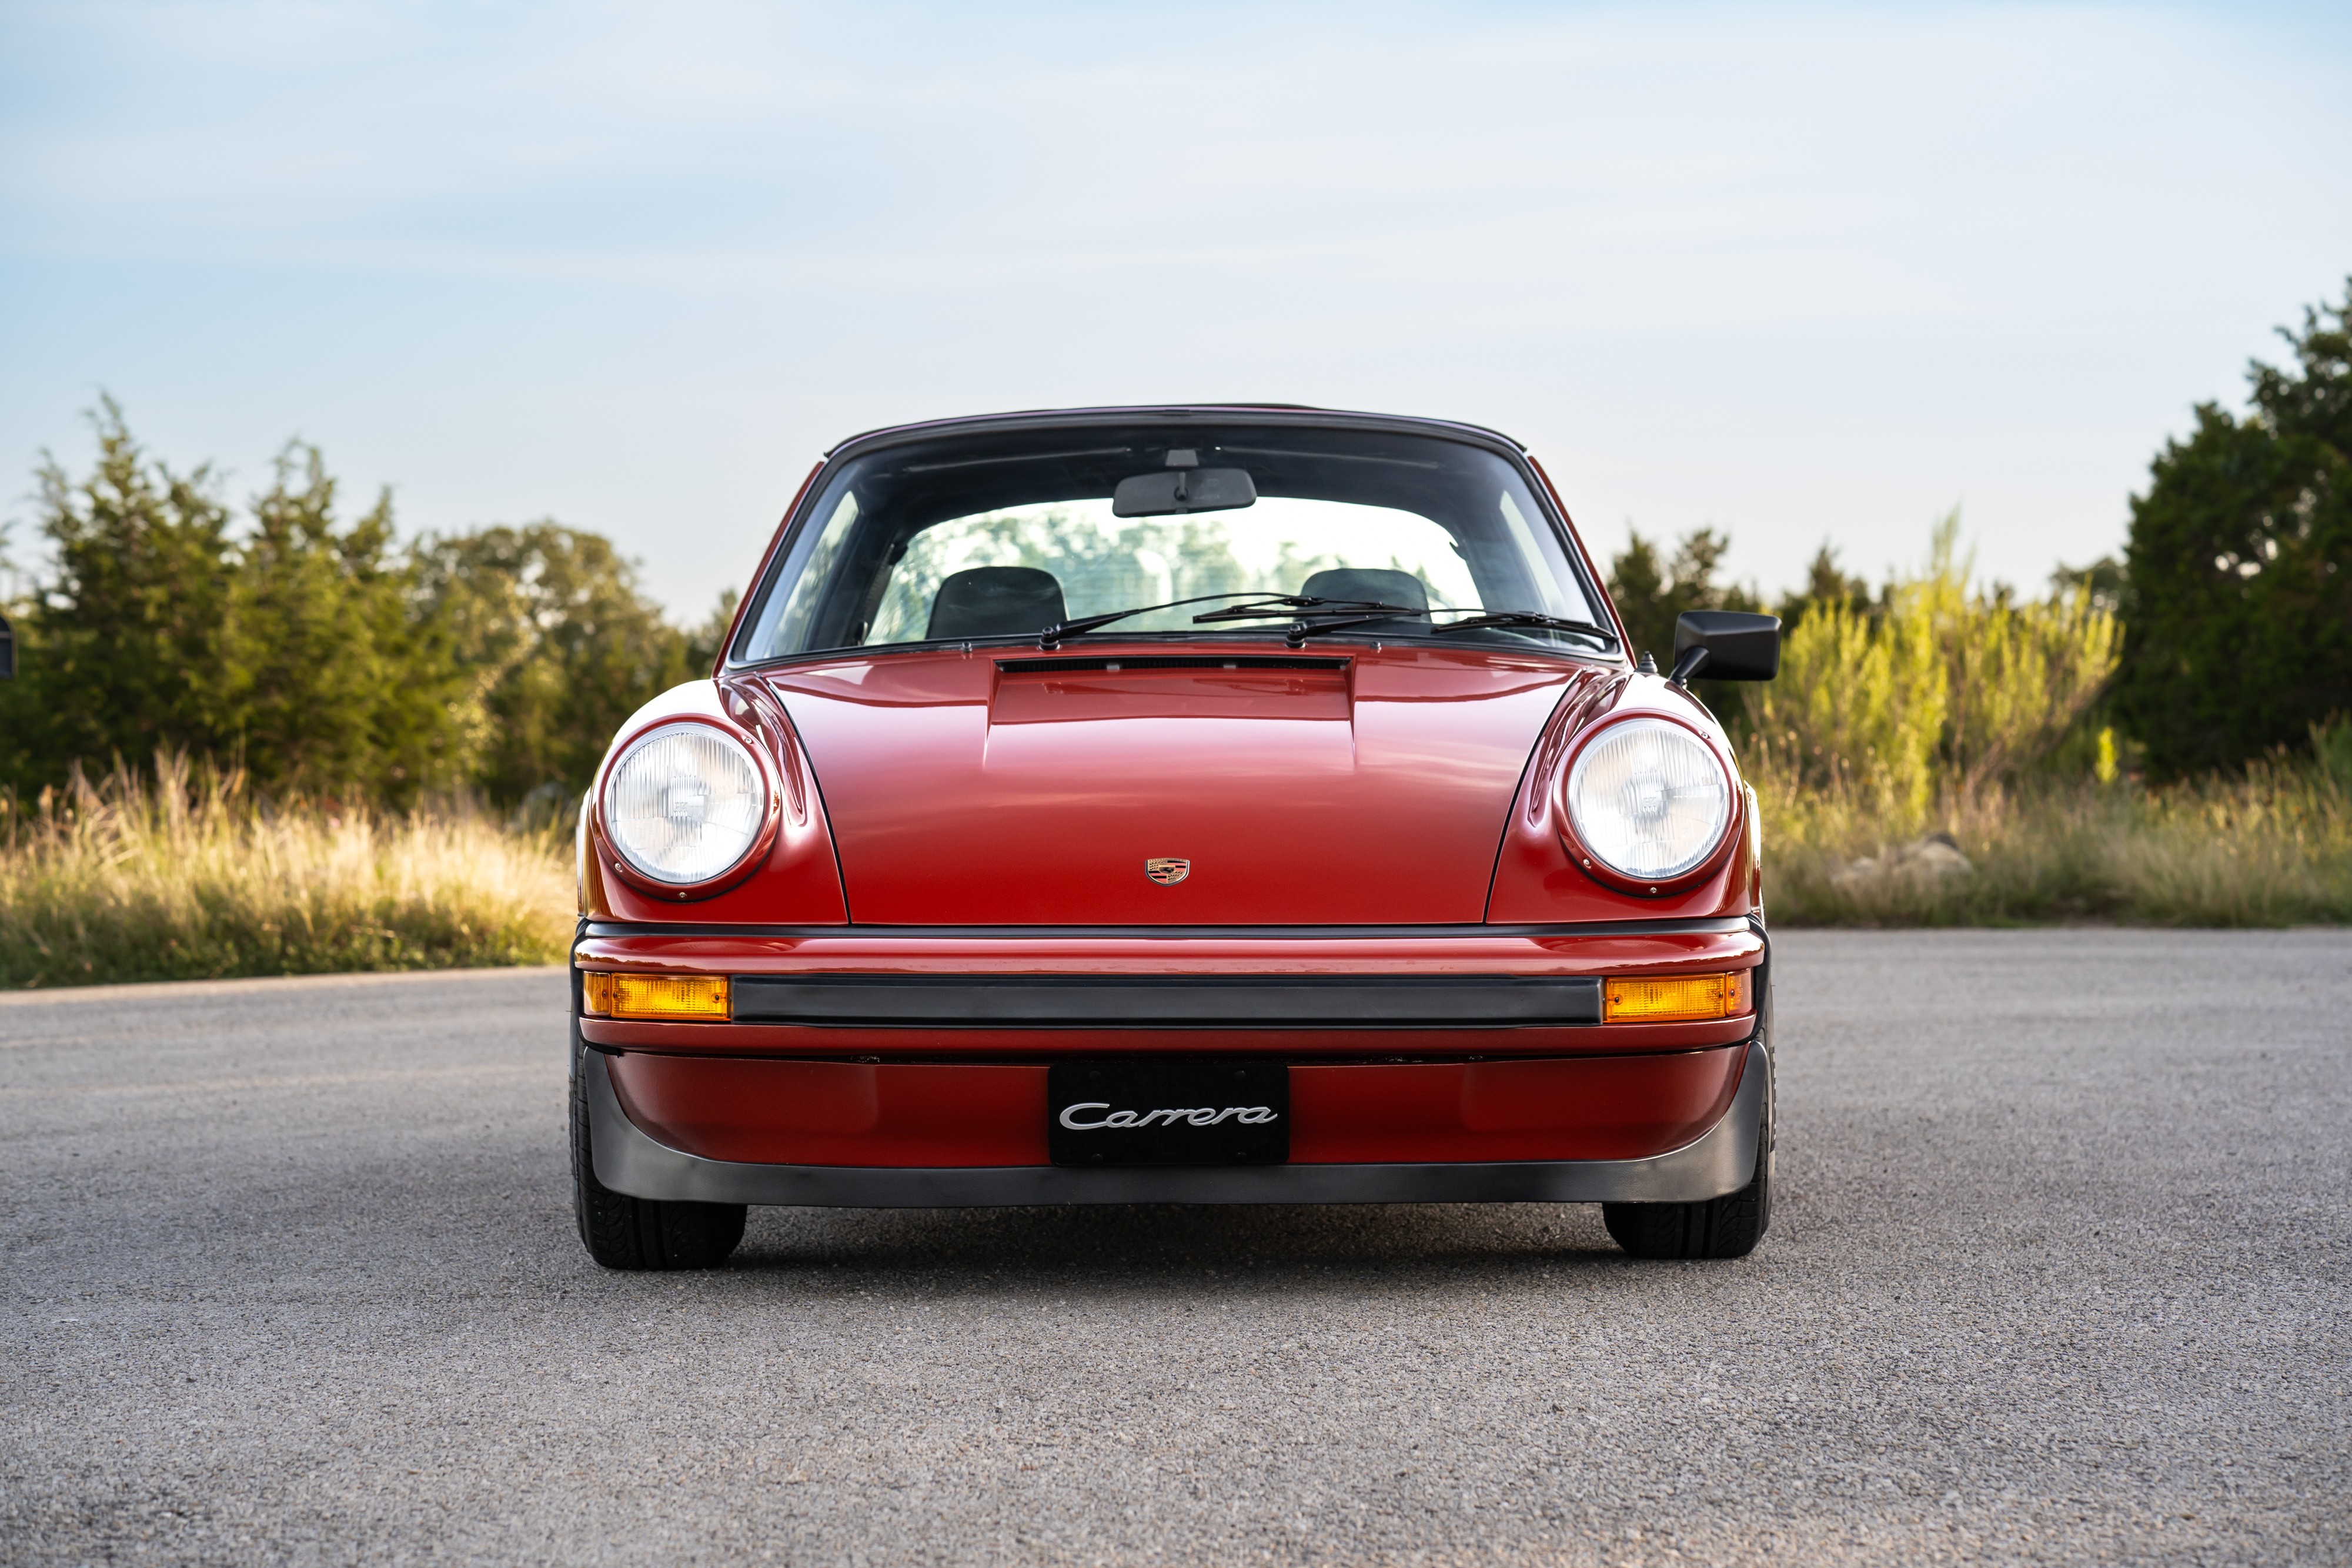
(1359, 863)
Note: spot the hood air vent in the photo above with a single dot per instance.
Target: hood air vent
(1167, 662)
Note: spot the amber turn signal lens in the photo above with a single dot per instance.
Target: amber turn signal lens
(1675, 998)
(655, 996)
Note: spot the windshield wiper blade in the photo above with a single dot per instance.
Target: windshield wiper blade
(1303, 604)
(1299, 631)
(1528, 618)
(1085, 624)
(1327, 615)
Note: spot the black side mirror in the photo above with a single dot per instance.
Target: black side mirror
(1726, 645)
(7, 650)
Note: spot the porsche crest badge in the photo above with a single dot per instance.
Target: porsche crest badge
(1166, 870)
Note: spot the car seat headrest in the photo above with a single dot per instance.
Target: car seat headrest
(1380, 585)
(996, 601)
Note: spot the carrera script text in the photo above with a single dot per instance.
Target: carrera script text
(1198, 1116)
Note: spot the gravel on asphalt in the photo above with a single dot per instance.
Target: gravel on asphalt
(2058, 1273)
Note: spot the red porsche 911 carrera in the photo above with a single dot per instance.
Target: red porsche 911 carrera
(1243, 804)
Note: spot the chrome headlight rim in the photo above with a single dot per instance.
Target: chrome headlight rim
(616, 855)
(1598, 866)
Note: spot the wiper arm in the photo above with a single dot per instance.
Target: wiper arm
(1528, 618)
(1263, 607)
(1298, 632)
(1085, 624)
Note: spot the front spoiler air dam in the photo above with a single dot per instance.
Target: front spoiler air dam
(1719, 1161)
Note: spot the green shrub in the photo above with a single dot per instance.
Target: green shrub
(1931, 697)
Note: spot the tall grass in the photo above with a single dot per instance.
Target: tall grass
(2271, 848)
(183, 877)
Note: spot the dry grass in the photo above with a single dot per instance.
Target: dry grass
(184, 878)
(2271, 848)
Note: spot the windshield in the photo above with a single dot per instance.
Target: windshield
(1008, 535)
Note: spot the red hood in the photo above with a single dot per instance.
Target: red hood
(1343, 785)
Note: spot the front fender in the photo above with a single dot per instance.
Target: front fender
(797, 883)
(1537, 880)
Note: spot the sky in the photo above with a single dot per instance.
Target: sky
(1799, 273)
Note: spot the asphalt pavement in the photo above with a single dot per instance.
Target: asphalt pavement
(2058, 1273)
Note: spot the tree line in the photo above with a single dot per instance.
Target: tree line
(2234, 594)
(322, 655)
(315, 650)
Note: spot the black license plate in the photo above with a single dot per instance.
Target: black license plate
(1204, 1113)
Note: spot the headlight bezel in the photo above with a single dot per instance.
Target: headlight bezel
(1594, 864)
(615, 859)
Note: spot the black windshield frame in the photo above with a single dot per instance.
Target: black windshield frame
(1069, 455)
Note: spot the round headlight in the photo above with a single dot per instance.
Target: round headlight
(685, 803)
(1649, 799)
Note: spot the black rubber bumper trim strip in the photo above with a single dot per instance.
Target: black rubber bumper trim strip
(1162, 1001)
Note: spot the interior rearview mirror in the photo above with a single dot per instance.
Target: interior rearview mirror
(1183, 490)
(1726, 645)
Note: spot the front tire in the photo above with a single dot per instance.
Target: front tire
(1726, 1226)
(623, 1232)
